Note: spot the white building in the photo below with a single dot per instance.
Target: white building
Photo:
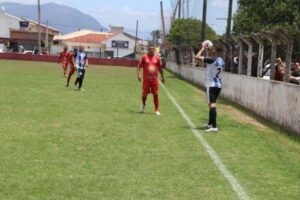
(18, 34)
(113, 44)
(92, 41)
(119, 45)
(7, 22)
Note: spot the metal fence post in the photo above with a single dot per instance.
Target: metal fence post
(260, 54)
(241, 54)
(250, 53)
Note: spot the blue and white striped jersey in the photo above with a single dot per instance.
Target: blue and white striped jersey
(80, 58)
(213, 73)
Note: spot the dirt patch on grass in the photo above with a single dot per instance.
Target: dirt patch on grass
(242, 117)
(235, 113)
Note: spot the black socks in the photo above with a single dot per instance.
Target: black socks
(213, 117)
(80, 83)
(76, 81)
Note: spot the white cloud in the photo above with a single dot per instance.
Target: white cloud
(25, 1)
(118, 15)
(126, 16)
(128, 11)
(220, 4)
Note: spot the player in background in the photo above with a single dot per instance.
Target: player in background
(72, 65)
(162, 59)
(81, 63)
(64, 59)
(213, 83)
(151, 65)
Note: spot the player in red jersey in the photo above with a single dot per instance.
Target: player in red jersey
(151, 65)
(72, 66)
(64, 59)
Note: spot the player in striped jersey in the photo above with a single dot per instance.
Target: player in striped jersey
(213, 82)
(81, 62)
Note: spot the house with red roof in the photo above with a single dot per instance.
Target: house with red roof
(113, 44)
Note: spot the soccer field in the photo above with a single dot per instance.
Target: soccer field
(59, 143)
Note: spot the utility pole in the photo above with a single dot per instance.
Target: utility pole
(204, 20)
(188, 8)
(174, 12)
(183, 14)
(47, 37)
(39, 26)
(179, 9)
(228, 31)
(135, 45)
(163, 23)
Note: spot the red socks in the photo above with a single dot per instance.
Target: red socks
(155, 99)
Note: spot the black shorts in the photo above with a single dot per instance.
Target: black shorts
(212, 94)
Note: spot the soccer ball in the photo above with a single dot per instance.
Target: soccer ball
(208, 44)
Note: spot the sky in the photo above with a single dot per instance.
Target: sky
(126, 12)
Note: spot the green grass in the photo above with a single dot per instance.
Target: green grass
(59, 143)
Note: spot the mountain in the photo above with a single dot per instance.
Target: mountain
(61, 17)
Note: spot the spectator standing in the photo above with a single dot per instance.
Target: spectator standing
(295, 73)
(279, 70)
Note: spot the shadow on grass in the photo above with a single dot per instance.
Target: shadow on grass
(202, 130)
(139, 113)
(171, 76)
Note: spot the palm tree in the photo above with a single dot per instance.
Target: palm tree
(156, 35)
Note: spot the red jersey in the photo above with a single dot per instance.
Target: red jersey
(151, 65)
(71, 59)
(64, 56)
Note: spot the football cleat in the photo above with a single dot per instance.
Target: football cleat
(212, 130)
(157, 113)
(206, 126)
(142, 109)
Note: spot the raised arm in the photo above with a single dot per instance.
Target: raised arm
(199, 55)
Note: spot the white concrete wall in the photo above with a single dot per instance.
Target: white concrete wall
(121, 52)
(7, 22)
(275, 101)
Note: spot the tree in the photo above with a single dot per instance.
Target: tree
(254, 16)
(186, 33)
(156, 36)
(269, 15)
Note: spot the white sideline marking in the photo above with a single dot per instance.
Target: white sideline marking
(212, 153)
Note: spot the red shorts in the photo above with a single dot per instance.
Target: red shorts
(150, 87)
(72, 70)
(64, 65)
